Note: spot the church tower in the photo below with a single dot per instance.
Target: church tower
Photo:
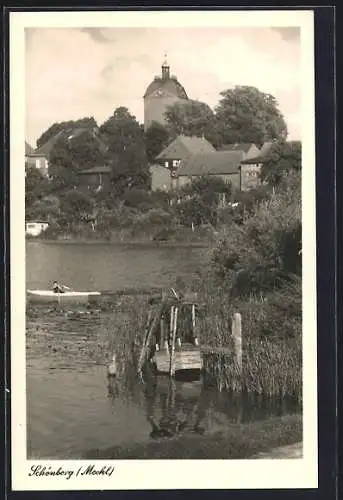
(165, 70)
(163, 91)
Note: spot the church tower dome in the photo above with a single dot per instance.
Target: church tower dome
(162, 92)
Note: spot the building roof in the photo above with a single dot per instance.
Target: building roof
(171, 85)
(167, 83)
(96, 170)
(266, 148)
(215, 163)
(28, 148)
(239, 146)
(183, 146)
(262, 154)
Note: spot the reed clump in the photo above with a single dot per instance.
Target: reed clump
(124, 329)
(271, 344)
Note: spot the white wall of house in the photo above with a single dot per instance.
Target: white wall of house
(40, 162)
(35, 228)
(250, 176)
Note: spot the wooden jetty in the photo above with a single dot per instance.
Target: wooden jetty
(187, 357)
(172, 348)
(172, 343)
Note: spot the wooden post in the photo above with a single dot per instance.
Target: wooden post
(171, 326)
(194, 327)
(150, 329)
(172, 349)
(163, 340)
(146, 334)
(237, 338)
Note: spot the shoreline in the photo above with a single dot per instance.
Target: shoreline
(276, 437)
(124, 242)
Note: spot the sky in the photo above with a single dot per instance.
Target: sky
(71, 73)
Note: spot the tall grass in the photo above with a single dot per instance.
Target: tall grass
(124, 329)
(271, 342)
(271, 339)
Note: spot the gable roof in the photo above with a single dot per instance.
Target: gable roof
(216, 163)
(266, 148)
(239, 146)
(183, 146)
(28, 148)
(262, 154)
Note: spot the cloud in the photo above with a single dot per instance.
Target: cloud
(71, 73)
(96, 34)
(289, 34)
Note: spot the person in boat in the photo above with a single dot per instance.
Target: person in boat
(57, 288)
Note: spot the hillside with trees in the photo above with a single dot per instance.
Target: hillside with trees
(243, 114)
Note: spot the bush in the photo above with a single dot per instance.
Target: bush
(264, 251)
(154, 219)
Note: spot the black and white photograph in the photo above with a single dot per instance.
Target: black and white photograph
(163, 272)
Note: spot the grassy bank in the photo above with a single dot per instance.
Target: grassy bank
(200, 235)
(239, 441)
(137, 242)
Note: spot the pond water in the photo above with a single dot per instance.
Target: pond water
(103, 266)
(72, 408)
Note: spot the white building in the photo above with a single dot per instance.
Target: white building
(35, 228)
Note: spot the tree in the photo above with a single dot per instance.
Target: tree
(262, 253)
(200, 199)
(191, 118)
(87, 122)
(245, 114)
(69, 156)
(125, 139)
(47, 208)
(76, 207)
(36, 186)
(283, 158)
(156, 139)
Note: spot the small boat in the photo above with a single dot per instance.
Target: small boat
(67, 297)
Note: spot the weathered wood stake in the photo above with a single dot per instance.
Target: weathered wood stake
(194, 327)
(162, 332)
(172, 347)
(150, 329)
(171, 326)
(237, 337)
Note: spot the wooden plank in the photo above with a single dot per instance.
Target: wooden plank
(184, 360)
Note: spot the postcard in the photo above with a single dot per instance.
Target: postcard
(163, 269)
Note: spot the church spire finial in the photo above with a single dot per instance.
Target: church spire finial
(165, 67)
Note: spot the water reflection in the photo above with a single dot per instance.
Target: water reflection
(176, 407)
